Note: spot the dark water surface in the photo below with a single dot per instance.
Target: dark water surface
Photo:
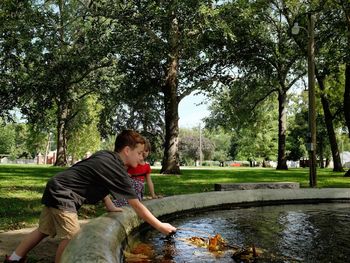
(287, 233)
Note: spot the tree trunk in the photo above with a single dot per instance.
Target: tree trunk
(321, 151)
(47, 149)
(346, 101)
(171, 163)
(62, 109)
(282, 128)
(328, 118)
(62, 113)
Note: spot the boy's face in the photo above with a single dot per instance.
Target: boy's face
(135, 155)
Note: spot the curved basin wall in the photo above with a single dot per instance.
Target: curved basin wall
(101, 239)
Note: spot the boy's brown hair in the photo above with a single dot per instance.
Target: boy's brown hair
(128, 138)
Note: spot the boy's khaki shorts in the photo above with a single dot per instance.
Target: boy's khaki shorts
(55, 222)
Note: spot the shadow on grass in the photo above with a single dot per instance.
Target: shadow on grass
(17, 213)
(23, 188)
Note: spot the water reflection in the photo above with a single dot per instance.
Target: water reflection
(287, 233)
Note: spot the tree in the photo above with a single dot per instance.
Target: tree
(298, 131)
(253, 133)
(346, 101)
(222, 143)
(125, 107)
(39, 140)
(7, 137)
(61, 45)
(189, 146)
(164, 45)
(263, 61)
(83, 136)
(13, 140)
(329, 38)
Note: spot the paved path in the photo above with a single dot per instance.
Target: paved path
(44, 252)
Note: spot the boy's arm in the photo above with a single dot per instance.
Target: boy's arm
(150, 185)
(146, 215)
(110, 206)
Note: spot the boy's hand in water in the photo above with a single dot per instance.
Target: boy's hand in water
(167, 229)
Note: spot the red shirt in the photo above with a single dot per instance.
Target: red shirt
(140, 171)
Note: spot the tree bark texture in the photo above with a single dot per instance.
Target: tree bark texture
(347, 97)
(346, 101)
(62, 109)
(170, 164)
(328, 118)
(62, 114)
(282, 129)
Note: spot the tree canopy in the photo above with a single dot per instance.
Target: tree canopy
(74, 68)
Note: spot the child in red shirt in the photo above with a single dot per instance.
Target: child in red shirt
(138, 175)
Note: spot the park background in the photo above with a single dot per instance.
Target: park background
(75, 73)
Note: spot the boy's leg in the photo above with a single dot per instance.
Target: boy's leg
(66, 225)
(60, 249)
(30, 241)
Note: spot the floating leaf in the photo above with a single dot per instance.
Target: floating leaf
(217, 243)
(198, 241)
(140, 253)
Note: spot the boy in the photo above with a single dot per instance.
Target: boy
(88, 181)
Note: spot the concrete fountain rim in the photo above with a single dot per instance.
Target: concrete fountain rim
(102, 239)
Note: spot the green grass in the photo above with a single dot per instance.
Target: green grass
(21, 187)
(202, 180)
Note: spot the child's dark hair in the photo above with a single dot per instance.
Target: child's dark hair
(128, 138)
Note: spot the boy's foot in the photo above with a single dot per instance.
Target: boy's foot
(7, 260)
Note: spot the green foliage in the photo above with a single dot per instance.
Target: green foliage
(38, 139)
(13, 140)
(108, 143)
(7, 137)
(55, 53)
(43, 70)
(189, 146)
(298, 127)
(19, 150)
(84, 136)
(253, 138)
(221, 141)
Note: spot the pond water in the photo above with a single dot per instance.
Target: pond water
(283, 233)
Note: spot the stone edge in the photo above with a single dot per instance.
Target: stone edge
(102, 238)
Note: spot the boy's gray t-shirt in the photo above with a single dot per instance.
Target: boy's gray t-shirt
(88, 182)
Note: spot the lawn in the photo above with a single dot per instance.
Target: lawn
(203, 179)
(21, 187)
